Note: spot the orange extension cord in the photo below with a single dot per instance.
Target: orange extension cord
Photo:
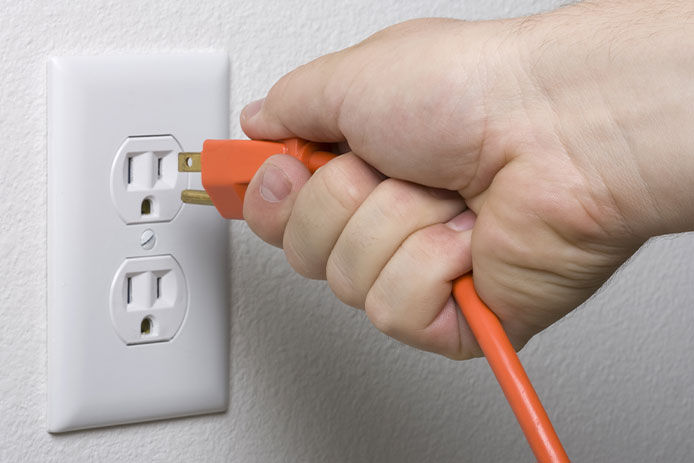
(510, 374)
(228, 166)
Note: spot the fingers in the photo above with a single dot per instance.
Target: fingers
(392, 212)
(411, 298)
(322, 209)
(271, 195)
(380, 243)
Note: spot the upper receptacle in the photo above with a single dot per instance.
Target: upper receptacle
(145, 184)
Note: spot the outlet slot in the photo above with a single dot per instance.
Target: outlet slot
(146, 326)
(146, 206)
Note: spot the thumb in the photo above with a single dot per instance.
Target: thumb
(271, 194)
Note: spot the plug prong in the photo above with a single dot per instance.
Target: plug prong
(196, 197)
(189, 162)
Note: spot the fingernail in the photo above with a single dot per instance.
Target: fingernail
(252, 109)
(275, 185)
(463, 221)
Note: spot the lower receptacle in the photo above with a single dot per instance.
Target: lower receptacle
(148, 299)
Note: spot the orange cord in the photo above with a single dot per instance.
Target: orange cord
(510, 374)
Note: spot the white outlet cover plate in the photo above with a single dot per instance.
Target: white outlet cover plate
(95, 378)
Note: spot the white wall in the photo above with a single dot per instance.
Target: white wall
(311, 380)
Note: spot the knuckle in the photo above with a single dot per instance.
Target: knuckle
(278, 90)
(342, 285)
(396, 200)
(461, 354)
(420, 244)
(432, 243)
(337, 179)
(300, 262)
(274, 97)
(380, 315)
(439, 254)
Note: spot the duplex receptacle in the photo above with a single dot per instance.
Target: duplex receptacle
(138, 312)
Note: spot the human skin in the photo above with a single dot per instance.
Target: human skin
(567, 135)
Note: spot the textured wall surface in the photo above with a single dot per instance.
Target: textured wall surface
(311, 380)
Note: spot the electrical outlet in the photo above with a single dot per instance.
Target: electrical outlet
(148, 299)
(138, 321)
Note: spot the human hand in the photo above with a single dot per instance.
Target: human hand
(544, 126)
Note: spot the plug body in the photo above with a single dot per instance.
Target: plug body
(228, 166)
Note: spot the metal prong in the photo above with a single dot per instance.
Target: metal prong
(196, 197)
(189, 162)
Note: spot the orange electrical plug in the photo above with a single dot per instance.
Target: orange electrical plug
(228, 166)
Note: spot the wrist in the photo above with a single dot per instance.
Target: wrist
(620, 83)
